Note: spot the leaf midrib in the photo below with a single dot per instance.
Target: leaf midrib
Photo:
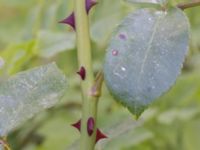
(148, 48)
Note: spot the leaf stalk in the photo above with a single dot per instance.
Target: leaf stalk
(184, 6)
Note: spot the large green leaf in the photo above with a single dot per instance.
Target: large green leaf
(145, 56)
(27, 93)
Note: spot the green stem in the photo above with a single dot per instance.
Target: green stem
(188, 5)
(89, 107)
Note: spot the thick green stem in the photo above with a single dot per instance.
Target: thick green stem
(89, 108)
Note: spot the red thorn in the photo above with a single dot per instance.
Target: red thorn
(100, 136)
(77, 125)
(82, 73)
(89, 4)
(70, 20)
(90, 126)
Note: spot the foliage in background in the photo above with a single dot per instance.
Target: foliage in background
(29, 36)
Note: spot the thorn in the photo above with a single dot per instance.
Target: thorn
(100, 136)
(90, 126)
(70, 20)
(89, 4)
(77, 125)
(82, 73)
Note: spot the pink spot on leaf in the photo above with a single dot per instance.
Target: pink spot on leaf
(115, 52)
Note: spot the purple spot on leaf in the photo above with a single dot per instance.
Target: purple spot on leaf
(115, 52)
(122, 36)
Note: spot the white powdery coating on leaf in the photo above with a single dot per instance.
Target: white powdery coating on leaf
(28, 93)
(149, 60)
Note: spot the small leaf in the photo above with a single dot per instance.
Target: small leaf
(27, 93)
(148, 59)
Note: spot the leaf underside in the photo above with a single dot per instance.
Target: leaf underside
(145, 56)
(27, 93)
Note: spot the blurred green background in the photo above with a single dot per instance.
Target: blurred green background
(31, 36)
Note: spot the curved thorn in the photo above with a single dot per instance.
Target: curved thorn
(70, 20)
(82, 73)
(100, 136)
